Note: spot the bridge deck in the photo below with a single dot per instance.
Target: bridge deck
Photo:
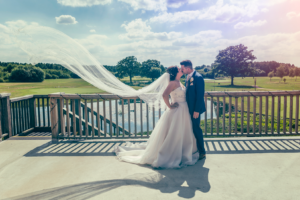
(31, 167)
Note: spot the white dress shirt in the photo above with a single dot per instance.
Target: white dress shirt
(190, 75)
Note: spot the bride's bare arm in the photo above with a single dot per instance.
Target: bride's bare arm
(166, 94)
(182, 85)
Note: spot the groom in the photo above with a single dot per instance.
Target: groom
(195, 99)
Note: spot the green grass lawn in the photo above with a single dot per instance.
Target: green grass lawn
(80, 86)
(246, 84)
(49, 86)
(241, 84)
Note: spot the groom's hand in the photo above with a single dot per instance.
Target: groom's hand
(196, 115)
(174, 105)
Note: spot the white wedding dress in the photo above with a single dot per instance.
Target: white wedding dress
(172, 143)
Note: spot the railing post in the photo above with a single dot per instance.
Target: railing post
(54, 118)
(32, 108)
(5, 112)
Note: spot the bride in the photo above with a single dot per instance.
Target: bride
(172, 143)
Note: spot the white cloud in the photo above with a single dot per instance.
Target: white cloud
(201, 38)
(179, 3)
(291, 15)
(93, 41)
(227, 13)
(83, 3)
(258, 2)
(286, 49)
(168, 47)
(251, 23)
(139, 30)
(220, 12)
(157, 5)
(177, 17)
(66, 19)
(93, 31)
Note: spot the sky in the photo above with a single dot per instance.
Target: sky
(166, 30)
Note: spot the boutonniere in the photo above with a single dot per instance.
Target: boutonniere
(192, 79)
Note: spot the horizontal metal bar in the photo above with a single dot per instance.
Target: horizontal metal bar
(40, 96)
(89, 96)
(248, 93)
(207, 94)
(21, 98)
(2, 95)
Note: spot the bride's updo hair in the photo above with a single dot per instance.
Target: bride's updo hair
(173, 70)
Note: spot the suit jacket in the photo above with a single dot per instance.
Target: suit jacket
(195, 88)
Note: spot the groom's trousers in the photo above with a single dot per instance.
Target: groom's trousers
(198, 135)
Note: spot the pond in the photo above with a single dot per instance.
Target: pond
(117, 113)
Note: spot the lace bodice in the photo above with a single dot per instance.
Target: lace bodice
(178, 95)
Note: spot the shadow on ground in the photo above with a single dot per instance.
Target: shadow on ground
(185, 181)
(222, 146)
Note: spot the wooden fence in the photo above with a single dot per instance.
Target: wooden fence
(94, 116)
(22, 115)
(231, 114)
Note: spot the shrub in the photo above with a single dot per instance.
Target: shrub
(37, 75)
(1, 80)
(54, 76)
(27, 74)
(65, 76)
(6, 75)
(54, 71)
(48, 76)
(73, 75)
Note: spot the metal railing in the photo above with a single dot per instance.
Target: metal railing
(99, 116)
(94, 116)
(22, 115)
(228, 114)
(5, 116)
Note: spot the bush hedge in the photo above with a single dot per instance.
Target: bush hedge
(27, 73)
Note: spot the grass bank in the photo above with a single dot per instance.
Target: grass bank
(80, 86)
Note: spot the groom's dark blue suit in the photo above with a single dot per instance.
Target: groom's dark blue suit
(195, 100)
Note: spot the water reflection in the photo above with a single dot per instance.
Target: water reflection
(117, 113)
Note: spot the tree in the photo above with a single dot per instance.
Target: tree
(163, 69)
(292, 73)
(151, 69)
(10, 67)
(297, 72)
(234, 61)
(128, 66)
(27, 73)
(73, 75)
(271, 75)
(280, 71)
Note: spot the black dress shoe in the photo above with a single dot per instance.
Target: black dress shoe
(201, 156)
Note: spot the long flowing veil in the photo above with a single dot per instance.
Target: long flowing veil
(44, 44)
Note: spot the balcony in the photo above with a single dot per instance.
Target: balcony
(59, 146)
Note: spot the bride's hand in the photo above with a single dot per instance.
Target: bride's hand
(174, 105)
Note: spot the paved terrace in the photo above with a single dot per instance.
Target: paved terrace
(31, 167)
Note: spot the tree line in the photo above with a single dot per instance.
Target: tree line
(234, 61)
(238, 61)
(129, 66)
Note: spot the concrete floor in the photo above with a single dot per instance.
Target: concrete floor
(236, 168)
